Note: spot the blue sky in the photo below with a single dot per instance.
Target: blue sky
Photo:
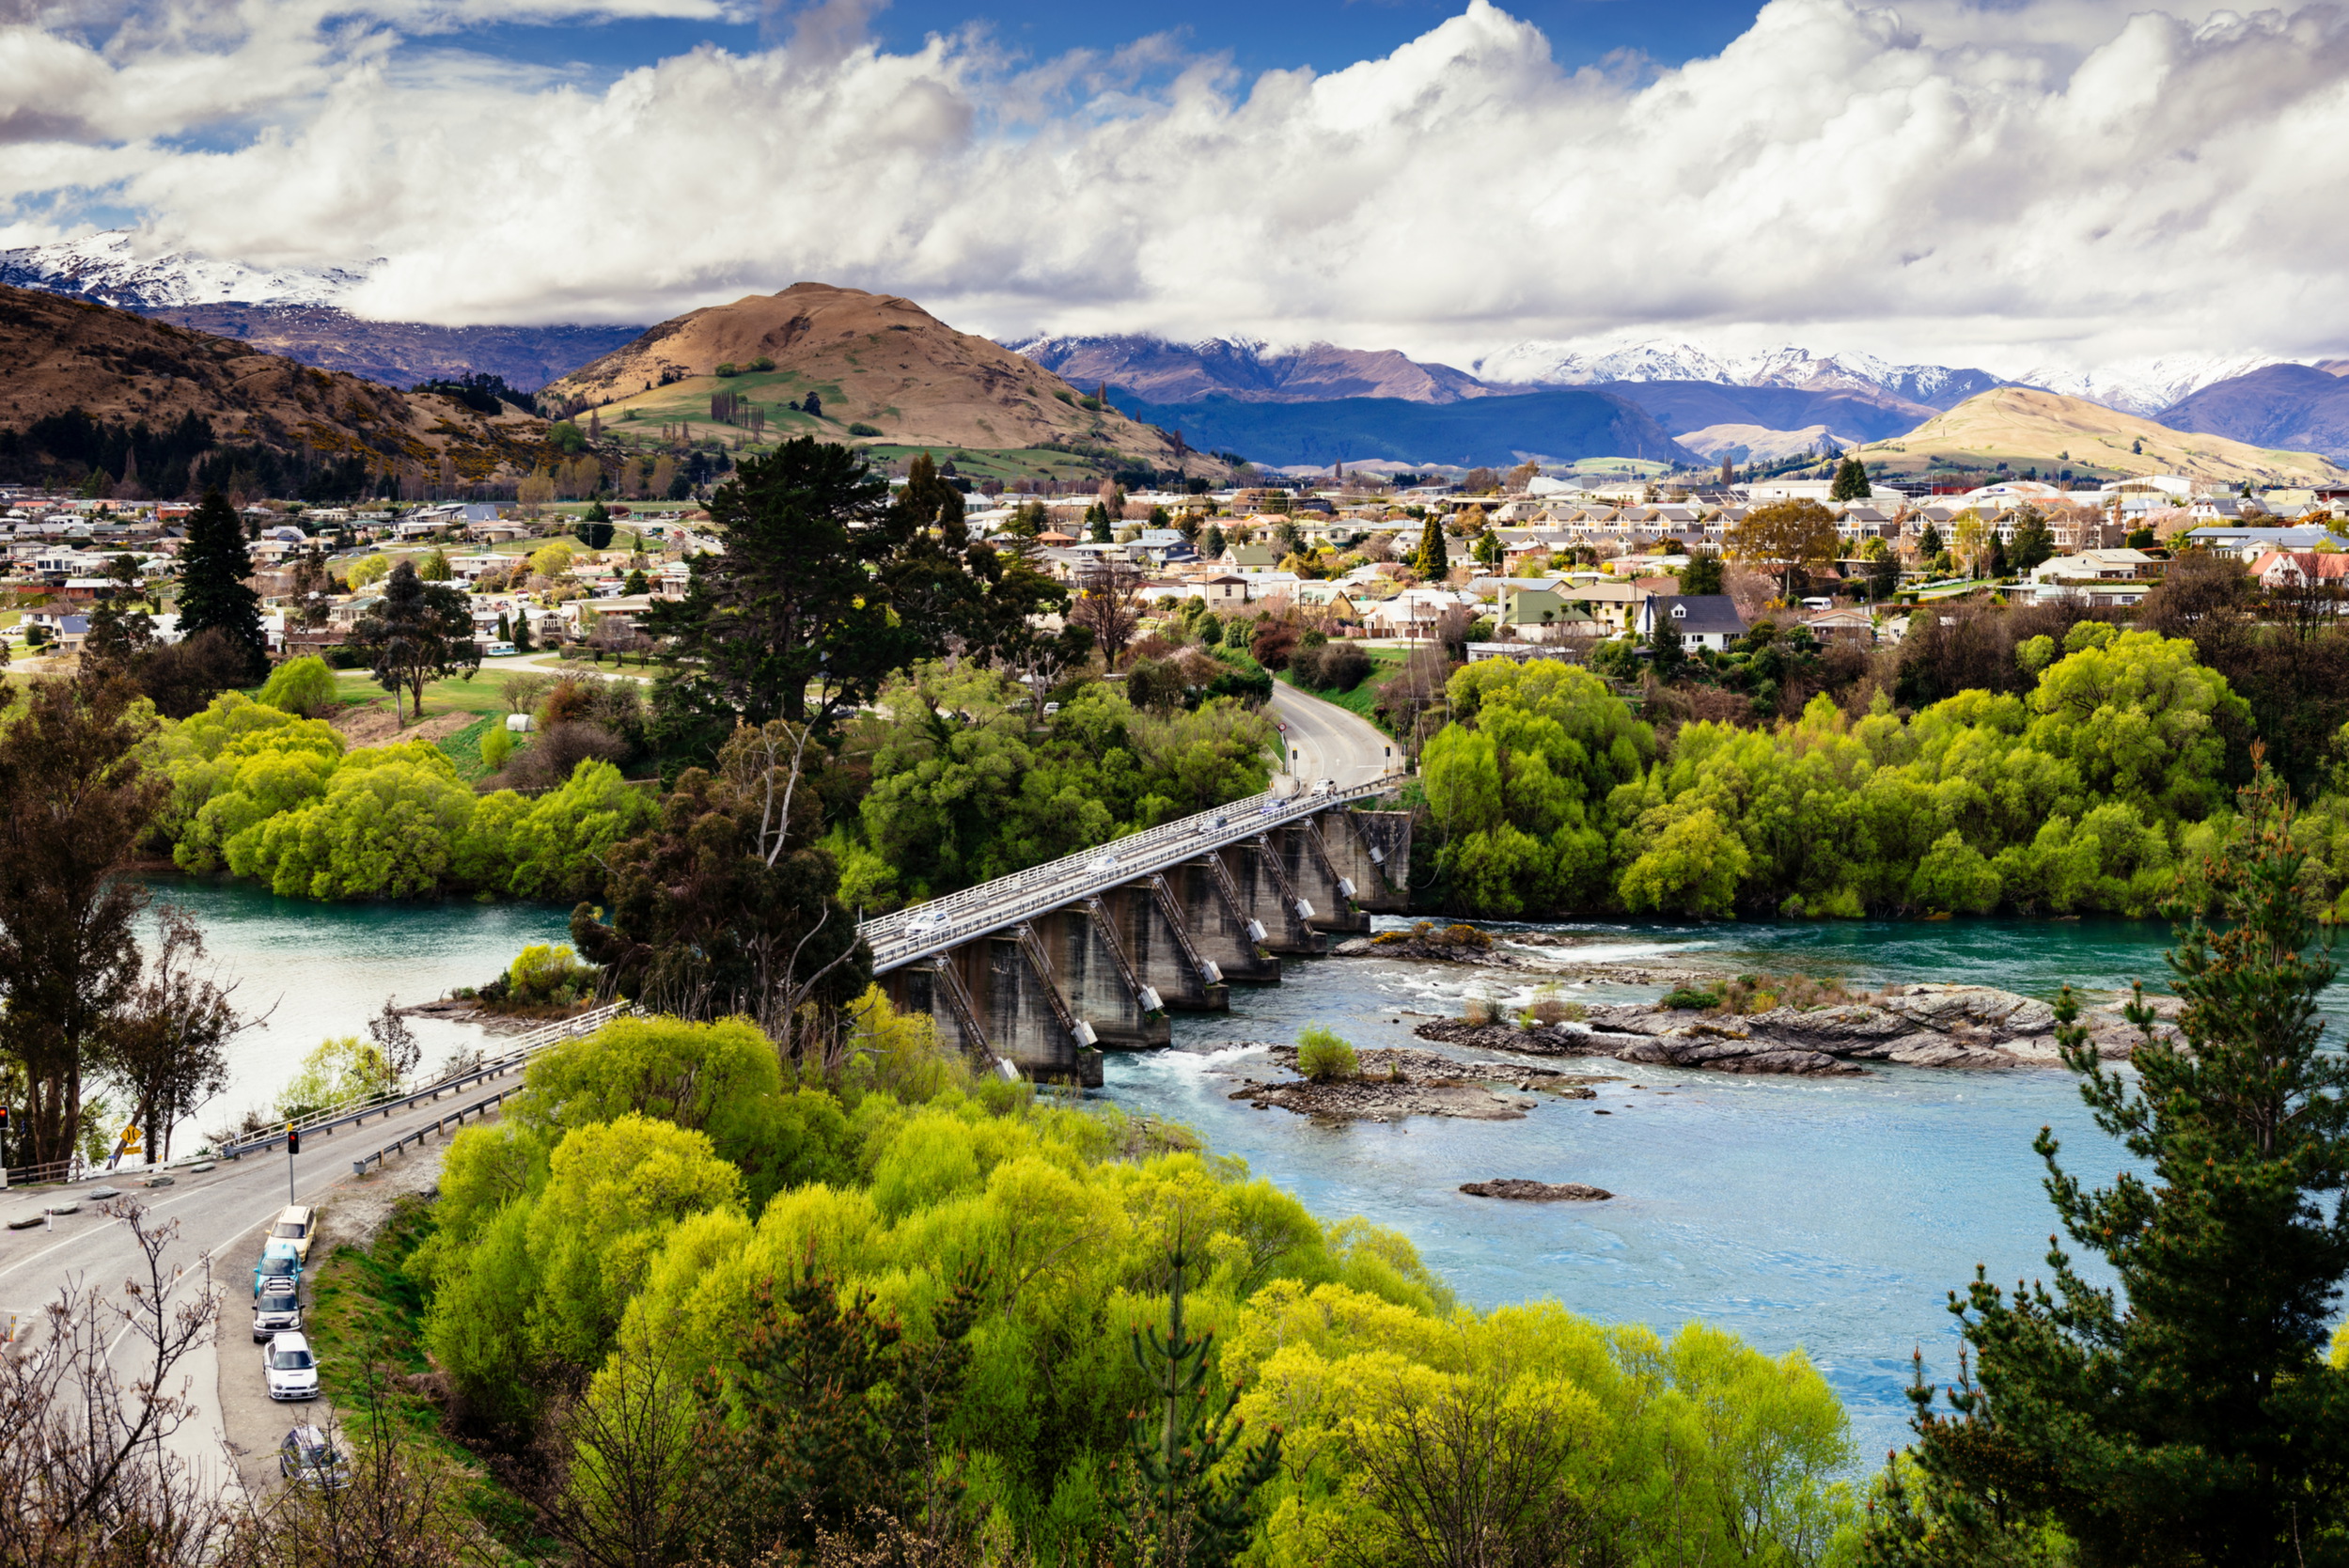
(1325, 35)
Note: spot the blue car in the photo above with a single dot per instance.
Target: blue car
(279, 1261)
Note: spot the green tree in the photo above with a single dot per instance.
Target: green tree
(415, 634)
(303, 687)
(1929, 544)
(213, 567)
(2034, 542)
(1702, 574)
(434, 567)
(1851, 482)
(790, 603)
(1430, 560)
(2190, 1416)
(1183, 1514)
(1097, 524)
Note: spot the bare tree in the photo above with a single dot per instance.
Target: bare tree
(393, 1037)
(168, 1042)
(85, 1476)
(624, 1484)
(1104, 605)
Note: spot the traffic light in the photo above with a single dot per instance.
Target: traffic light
(294, 1138)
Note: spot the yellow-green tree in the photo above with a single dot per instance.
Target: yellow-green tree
(1787, 538)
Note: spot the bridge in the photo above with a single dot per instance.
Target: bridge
(1044, 969)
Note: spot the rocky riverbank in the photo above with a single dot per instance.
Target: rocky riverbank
(1394, 1084)
(1918, 1026)
(1522, 1191)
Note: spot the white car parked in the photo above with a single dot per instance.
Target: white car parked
(291, 1369)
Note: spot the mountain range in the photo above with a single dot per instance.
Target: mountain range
(1667, 396)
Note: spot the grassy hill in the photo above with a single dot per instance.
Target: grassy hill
(884, 372)
(2024, 428)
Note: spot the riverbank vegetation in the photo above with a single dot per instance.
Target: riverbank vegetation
(650, 1282)
(2081, 782)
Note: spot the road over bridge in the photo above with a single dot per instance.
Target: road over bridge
(1040, 970)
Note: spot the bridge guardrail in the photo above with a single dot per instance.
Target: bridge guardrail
(914, 934)
(513, 1057)
(350, 1113)
(399, 1145)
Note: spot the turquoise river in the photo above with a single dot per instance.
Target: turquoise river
(1834, 1214)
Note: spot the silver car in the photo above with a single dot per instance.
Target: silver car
(307, 1458)
(278, 1309)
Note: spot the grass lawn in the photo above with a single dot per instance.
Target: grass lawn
(478, 694)
(465, 747)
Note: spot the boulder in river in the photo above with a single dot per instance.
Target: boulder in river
(1536, 1192)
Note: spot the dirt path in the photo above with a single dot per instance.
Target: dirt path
(374, 725)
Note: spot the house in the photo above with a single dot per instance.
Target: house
(1224, 592)
(1703, 620)
(1842, 625)
(2090, 566)
(1328, 599)
(1543, 614)
(1413, 613)
(1613, 605)
(2250, 543)
(1248, 558)
(2297, 568)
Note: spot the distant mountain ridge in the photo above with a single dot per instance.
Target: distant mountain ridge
(1158, 370)
(107, 268)
(1537, 362)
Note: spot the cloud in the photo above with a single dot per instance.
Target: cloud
(2066, 179)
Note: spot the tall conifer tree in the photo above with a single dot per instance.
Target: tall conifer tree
(2191, 1416)
(213, 589)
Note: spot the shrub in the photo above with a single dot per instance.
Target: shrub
(1480, 1010)
(860, 428)
(1683, 999)
(1322, 1056)
(729, 368)
(546, 976)
(1304, 667)
(762, 363)
(1274, 644)
(1343, 667)
(303, 687)
(496, 746)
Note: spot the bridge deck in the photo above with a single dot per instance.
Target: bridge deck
(928, 929)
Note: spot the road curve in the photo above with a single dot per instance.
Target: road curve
(1327, 742)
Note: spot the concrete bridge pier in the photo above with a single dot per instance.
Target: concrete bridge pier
(1100, 980)
(1028, 1019)
(1306, 863)
(1168, 962)
(1371, 850)
(1272, 900)
(1209, 907)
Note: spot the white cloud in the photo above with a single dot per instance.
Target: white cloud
(2066, 179)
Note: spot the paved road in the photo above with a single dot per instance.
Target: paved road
(221, 1212)
(1327, 742)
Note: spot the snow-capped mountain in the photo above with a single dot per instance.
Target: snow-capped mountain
(2147, 387)
(1537, 362)
(109, 267)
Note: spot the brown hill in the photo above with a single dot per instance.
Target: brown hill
(872, 360)
(65, 355)
(2020, 426)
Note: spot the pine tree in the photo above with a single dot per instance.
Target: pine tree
(1180, 1513)
(213, 567)
(1851, 482)
(1097, 524)
(2191, 1418)
(1430, 560)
